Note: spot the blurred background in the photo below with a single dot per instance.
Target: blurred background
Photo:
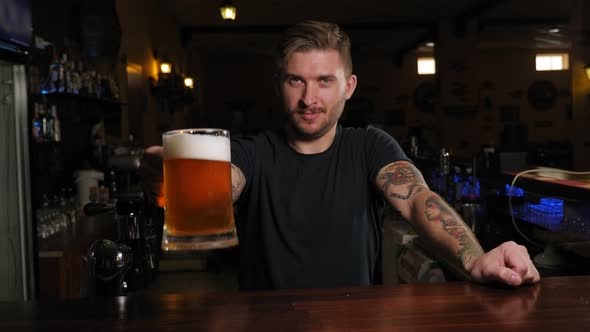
(466, 86)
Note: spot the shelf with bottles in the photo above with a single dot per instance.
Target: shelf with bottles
(45, 124)
(68, 96)
(69, 75)
(82, 91)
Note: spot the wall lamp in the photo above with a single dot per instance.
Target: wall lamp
(188, 82)
(587, 68)
(171, 87)
(228, 10)
(165, 67)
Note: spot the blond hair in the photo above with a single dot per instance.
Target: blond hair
(314, 35)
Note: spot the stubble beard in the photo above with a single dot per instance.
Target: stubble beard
(296, 126)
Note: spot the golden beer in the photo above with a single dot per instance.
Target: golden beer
(197, 186)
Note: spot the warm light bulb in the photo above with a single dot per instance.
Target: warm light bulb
(188, 82)
(165, 68)
(228, 12)
(588, 71)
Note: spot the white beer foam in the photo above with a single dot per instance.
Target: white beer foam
(189, 146)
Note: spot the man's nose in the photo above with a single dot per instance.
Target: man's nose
(310, 95)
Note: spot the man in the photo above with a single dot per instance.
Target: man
(310, 196)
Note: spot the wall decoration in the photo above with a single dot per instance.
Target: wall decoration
(426, 97)
(542, 95)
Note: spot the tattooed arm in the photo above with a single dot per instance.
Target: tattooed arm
(238, 182)
(405, 189)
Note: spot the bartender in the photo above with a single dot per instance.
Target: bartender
(310, 195)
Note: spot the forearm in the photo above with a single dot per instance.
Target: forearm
(435, 220)
(405, 189)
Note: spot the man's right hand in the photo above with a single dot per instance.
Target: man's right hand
(156, 150)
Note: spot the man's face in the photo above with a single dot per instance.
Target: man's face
(314, 87)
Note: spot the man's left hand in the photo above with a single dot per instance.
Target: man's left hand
(508, 263)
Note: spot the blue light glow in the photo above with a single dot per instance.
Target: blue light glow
(514, 192)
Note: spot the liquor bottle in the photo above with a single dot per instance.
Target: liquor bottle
(43, 122)
(75, 76)
(62, 86)
(52, 82)
(47, 124)
(56, 124)
(36, 124)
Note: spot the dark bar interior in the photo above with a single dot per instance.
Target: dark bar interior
(489, 100)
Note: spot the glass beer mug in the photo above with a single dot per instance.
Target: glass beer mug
(197, 185)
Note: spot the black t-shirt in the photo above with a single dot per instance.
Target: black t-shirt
(308, 221)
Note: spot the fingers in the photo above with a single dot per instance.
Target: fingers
(518, 259)
(532, 276)
(155, 150)
(509, 263)
(496, 272)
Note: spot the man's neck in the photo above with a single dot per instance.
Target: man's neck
(314, 146)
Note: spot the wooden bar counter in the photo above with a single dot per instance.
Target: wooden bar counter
(556, 304)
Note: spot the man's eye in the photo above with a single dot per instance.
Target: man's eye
(326, 80)
(294, 80)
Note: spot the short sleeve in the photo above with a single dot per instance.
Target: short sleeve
(381, 149)
(243, 154)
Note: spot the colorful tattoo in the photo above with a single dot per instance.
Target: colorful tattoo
(438, 211)
(397, 175)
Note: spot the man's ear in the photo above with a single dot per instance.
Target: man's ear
(351, 82)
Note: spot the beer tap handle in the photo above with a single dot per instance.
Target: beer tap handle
(125, 162)
(93, 209)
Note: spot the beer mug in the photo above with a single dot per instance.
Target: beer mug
(197, 186)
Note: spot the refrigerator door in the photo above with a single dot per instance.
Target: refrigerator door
(16, 231)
